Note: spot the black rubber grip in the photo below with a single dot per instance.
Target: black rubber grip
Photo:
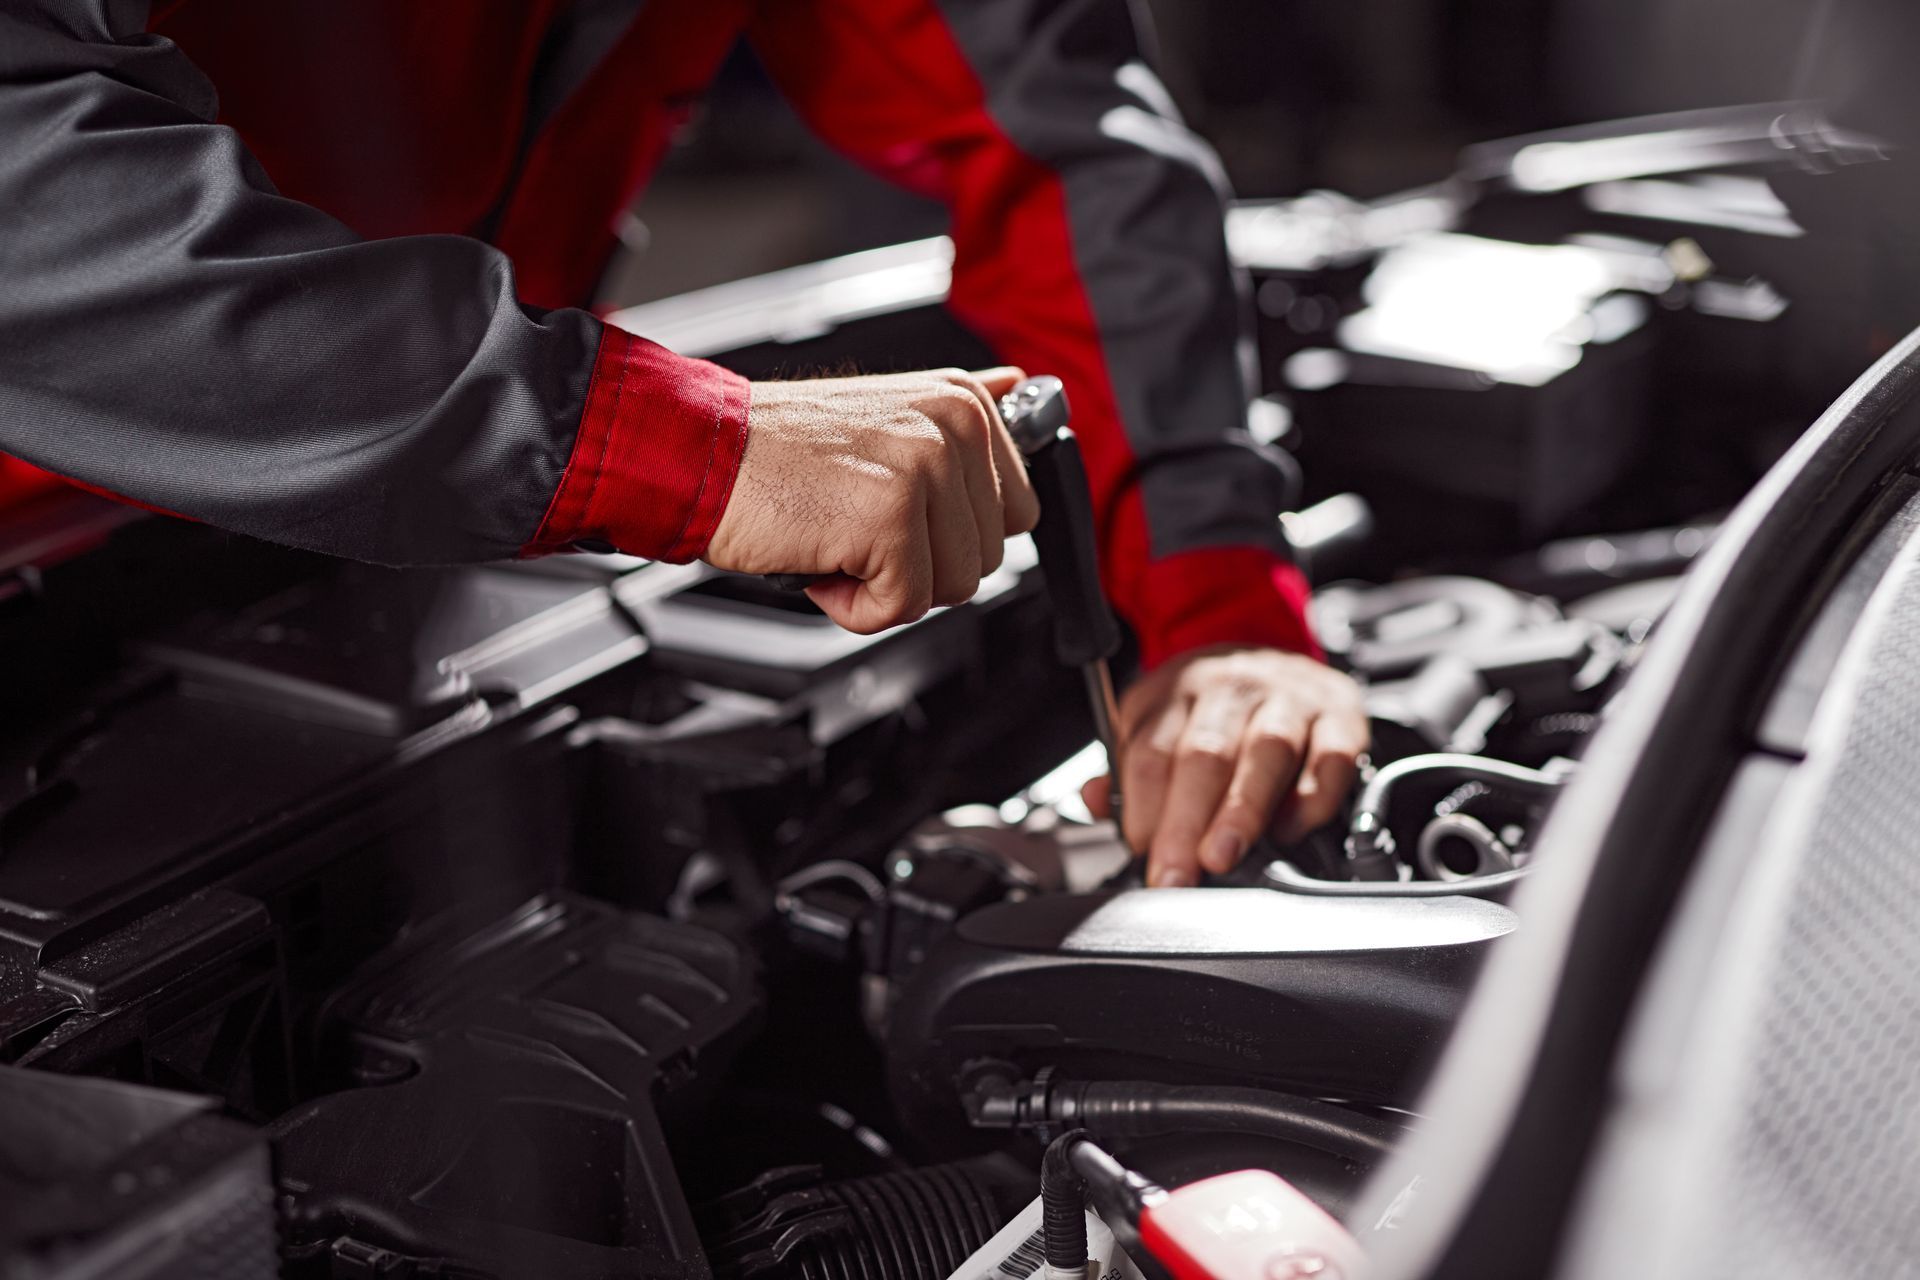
(1084, 629)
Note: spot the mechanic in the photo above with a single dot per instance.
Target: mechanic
(336, 307)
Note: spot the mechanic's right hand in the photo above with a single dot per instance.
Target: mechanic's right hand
(898, 490)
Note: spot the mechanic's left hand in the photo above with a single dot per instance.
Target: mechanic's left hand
(1221, 744)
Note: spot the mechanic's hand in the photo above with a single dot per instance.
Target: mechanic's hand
(1221, 744)
(899, 489)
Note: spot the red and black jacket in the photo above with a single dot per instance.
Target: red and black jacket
(333, 304)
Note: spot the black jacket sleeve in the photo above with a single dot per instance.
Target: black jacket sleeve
(1089, 242)
(174, 331)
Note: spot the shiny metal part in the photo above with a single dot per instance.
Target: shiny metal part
(1034, 412)
(1106, 723)
(1458, 846)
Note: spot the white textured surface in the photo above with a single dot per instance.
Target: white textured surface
(1263, 922)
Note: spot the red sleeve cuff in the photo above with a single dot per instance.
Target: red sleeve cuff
(21, 480)
(653, 463)
(1227, 595)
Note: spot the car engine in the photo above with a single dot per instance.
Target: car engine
(595, 918)
(590, 917)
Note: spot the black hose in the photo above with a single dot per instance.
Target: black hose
(1138, 1109)
(1063, 1205)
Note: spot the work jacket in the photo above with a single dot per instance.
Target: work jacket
(312, 272)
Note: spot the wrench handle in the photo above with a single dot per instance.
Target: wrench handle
(1084, 629)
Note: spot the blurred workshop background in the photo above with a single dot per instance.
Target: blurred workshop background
(1363, 99)
(1541, 355)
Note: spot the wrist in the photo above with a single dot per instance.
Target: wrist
(653, 463)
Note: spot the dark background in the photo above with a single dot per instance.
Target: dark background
(1365, 98)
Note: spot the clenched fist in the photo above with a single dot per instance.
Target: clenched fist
(897, 490)
(1220, 745)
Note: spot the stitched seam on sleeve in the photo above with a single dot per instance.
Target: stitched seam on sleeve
(733, 472)
(606, 437)
(713, 447)
(540, 534)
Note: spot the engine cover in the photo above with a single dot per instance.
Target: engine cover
(1346, 997)
(518, 1080)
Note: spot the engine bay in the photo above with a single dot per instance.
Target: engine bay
(589, 916)
(583, 918)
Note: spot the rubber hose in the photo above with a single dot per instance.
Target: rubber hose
(1063, 1205)
(1138, 1109)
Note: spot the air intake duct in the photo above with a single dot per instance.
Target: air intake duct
(896, 1226)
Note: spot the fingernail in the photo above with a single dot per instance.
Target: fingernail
(1174, 878)
(1223, 852)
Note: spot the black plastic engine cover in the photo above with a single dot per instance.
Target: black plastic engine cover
(101, 1178)
(1344, 997)
(520, 1076)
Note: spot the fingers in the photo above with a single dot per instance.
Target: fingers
(847, 601)
(898, 587)
(974, 429)
(1334, 746)
(1223, 745)
(1268, 764)
(1204, 764)
(905, 486)
(999, 380)
(1019, 509)
(1146, 765)
(936, 522)
(954, 536)
(1097, 795)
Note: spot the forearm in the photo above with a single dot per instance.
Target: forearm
(176, 332)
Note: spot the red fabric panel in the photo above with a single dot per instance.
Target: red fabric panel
(660, 442)
(397, 119)
(407, 118)
(595, 153)
(21, 480)
(1225, 595)
(885, 81)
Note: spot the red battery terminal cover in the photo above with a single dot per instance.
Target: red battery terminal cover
(1251, 1225)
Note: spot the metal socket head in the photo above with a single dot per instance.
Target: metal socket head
(1035, 413)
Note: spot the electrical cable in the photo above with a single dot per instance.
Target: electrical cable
(1139, 1109)
(1130, 1109)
